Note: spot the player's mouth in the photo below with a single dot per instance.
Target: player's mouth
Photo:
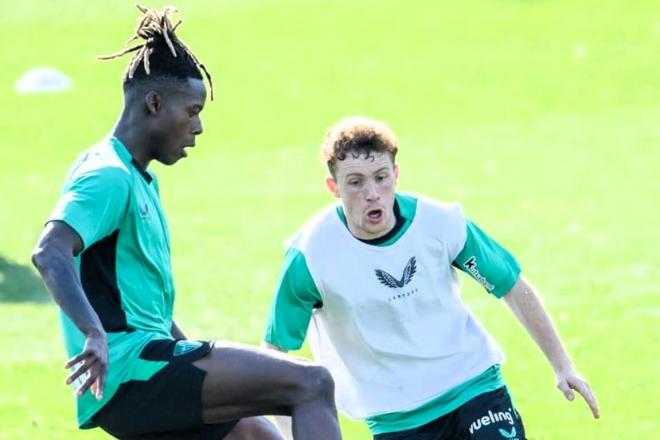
(184, 153)
(375, 215)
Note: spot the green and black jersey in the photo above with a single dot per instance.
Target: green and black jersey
(125, 267)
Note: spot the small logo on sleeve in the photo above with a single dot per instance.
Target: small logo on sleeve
(144, 209)
(471, 266)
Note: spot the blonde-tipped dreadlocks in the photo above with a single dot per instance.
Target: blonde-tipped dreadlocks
(159, 52)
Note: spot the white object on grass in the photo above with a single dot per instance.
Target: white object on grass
(43, 79)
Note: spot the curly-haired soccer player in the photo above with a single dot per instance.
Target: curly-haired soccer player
(373, 280)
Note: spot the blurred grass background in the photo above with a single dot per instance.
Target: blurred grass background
(541, 117)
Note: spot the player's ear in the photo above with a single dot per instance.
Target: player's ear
(331, 184)
(153, 102)
(396, 172)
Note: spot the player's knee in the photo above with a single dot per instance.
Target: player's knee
(318, 383)
(322, 380)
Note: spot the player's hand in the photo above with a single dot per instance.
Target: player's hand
(91, 365)
(572, 380)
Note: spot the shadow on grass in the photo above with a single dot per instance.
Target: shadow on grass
(20, 283)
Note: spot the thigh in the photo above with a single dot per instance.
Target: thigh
(490, 416)
(243, 381)
(168, 405)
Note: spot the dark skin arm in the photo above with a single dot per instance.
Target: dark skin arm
(176, 332)
(54, 259)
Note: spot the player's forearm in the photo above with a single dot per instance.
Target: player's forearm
(528, 308)
(59, 275)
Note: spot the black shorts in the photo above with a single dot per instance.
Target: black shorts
(489, 416)
(167, 406)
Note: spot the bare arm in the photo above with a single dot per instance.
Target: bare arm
(54, 258)
(527, 306)
(176, 332)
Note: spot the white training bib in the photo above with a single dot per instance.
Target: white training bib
(393, 330)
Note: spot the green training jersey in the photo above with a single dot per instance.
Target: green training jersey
(124, 268)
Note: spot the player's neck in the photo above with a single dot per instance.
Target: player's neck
(134, 138)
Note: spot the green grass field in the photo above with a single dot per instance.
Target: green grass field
(541, 117)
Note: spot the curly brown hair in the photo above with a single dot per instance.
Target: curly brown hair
(358, 136)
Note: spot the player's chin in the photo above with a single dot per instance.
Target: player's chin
(170, 159)
(374, 229)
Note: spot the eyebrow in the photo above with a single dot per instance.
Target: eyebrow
(361, 175)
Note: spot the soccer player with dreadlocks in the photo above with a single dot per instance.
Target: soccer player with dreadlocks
(104, 255)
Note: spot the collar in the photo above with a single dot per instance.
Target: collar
(128, 160)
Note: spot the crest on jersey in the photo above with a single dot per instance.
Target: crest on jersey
(408, 273)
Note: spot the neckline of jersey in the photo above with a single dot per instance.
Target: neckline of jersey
(128, 159)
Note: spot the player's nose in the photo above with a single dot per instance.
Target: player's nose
(371, 192)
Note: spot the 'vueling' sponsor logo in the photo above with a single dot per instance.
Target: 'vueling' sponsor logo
(495, 417)
(471, 266)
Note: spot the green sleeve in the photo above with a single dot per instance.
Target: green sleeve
(94, 203)
(295, 298)
(487, 262)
